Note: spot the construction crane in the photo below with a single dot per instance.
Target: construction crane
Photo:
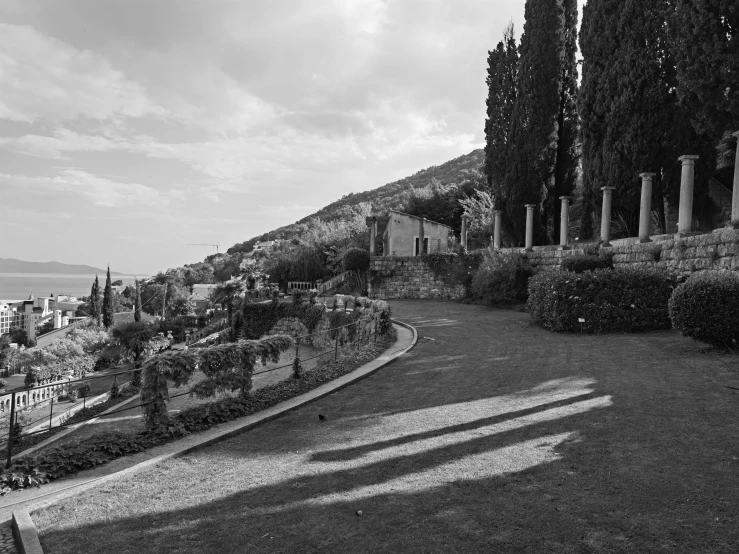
(204, 244)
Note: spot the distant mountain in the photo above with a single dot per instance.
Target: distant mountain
(11, 265)
(390, 196)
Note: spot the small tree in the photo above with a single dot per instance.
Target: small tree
(95, 300)
(137, 304)
(108, 302)
(133, 336)
(30, 379)
(358, 261)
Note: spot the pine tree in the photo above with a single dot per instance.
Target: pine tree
(137, 304)
(95, 300)
(542, 146)
(501, 81)
(108, 302)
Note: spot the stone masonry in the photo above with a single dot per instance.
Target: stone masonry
(408, 277)
(719, 249)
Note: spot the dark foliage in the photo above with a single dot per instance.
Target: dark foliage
(609, 300)
(108, 302)
(706, 308)
(502, 76)
(580, 263)
(455, 269)
(544, 126)
(503, 282)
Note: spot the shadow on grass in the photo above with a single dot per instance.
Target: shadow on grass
(300, 510)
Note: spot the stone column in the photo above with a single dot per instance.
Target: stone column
(687, 181)
(463, 238)
(496, 231)
(420, 235)
(605, 216)
(530, 227)
(373, 236)
(645, 208)
(564, 226)
(735, 196)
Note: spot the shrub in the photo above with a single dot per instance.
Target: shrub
(503, 280)
(609, 300)
(455, 269)
(706, 307)
(581, 263)
(83, 390)
(356, 259)
(30, 379)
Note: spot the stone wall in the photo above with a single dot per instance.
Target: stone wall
(408, 277)
(719, 249)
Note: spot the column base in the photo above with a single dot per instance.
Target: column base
(564, 248)
(528, 249)
(683, 234)
(733, 225)
(605, 244)
(644, 240)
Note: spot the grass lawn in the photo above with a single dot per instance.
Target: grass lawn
(490, 436)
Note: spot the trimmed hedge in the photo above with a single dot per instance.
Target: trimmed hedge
(706, 308)
(583, 262)
(609, 300)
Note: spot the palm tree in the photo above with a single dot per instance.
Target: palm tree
(133, 337)
(226, 293)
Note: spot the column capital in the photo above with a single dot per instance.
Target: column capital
(530, 206)
(607, 189)
(735, 134)
(688, 159)
(568, 198)
(498, 212)
(647, 175)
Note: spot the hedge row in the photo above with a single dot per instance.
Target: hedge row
(608, 300)
(706, 308)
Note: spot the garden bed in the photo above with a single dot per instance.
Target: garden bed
(70, 458)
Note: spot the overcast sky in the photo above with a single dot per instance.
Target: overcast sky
(131, 128)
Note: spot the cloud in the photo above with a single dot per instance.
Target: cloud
(99, 191)
(52, 147)
(42, 78)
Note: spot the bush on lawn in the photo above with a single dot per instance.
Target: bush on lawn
(609, 300)
(502, 280)
(583, 262)
(706, 308)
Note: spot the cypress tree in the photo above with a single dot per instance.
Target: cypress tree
(631, 121)
(95, 300)
(501, 81)
(705, 45)
(542, 145)
(108, 301)
(137, 304)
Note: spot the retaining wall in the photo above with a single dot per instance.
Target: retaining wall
(719, 249)
(408, 277)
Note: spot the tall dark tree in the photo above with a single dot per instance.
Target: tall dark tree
(542, 147)
(137, 304)
(631, 121)
(95, 308)
(501, 82)
(108, 301)
(705, 45)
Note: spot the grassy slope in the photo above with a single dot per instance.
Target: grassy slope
(496, 436)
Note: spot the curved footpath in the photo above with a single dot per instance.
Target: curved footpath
(491, 435)
(51, 493)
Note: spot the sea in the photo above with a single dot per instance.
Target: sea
(18, 286)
